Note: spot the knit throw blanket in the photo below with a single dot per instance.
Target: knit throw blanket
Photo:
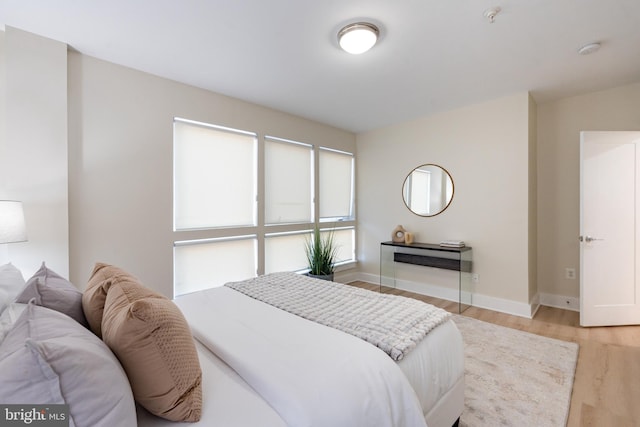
(392, 323)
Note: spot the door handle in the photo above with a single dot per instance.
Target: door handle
(589, 239)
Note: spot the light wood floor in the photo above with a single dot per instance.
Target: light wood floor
(606, 388)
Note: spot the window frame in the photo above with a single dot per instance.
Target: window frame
(261, 230)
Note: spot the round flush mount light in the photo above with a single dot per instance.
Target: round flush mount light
(589, 48)
(358, 38)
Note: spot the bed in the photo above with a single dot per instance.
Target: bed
(248, 348)
(285, 352)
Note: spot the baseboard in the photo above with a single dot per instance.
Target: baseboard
(478, 300)
(560, 301)
(366, 277)
(504, 305)
(535, 305)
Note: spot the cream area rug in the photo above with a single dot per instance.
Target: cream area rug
(514, 378)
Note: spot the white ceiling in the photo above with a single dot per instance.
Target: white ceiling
(433, 55)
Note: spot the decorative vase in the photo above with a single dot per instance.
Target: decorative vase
(408, 238)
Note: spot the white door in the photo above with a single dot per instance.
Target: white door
(609, 238)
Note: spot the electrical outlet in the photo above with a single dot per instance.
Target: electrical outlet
(570, 273)
(475, 277)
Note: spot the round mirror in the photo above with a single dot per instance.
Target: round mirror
(428, 190)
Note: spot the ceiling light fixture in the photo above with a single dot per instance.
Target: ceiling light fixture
(358, 37)
(589, 48)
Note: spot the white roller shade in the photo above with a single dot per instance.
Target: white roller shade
(336, 185)
(214, 177)
(288, 181)
(211, 264)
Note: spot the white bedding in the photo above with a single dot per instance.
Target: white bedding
(435, 365)
(392, 323)
(219, 316)
(310, 374)
(228, 401)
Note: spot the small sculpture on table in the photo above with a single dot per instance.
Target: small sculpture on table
(397, 236)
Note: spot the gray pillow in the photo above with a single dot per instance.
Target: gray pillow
(49, 358)
(55, 292)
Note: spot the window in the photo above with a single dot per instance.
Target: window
(205, 157)
(285, 252)
(336, 185)
(210, 263)
(225, 230)
(288, 181)
(345, 241)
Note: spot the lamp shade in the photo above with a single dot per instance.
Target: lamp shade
(12, 225)
(358, 38)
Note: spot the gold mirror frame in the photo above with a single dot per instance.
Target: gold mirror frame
(428, 190)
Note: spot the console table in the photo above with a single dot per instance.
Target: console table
(428, 255)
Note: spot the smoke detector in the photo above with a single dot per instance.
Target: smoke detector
(490, 14)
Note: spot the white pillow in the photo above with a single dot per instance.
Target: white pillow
(11, 284)
(29, 362)
(50, 358)
(8, 317)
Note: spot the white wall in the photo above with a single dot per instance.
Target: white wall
(559, 126)
(33, 147)
(485, 148)
(120, 162)
(119, 170)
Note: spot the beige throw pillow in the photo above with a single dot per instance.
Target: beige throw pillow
(94, 296)
(152, 340)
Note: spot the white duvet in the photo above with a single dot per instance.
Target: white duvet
(310, 374)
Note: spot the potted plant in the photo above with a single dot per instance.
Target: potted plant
(321, 253)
